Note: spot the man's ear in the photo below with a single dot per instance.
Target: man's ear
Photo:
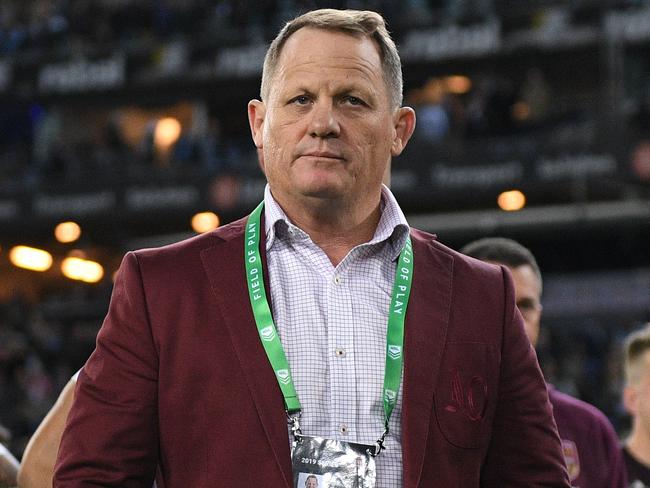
(256, 114)
(631, 400)
(404, 127)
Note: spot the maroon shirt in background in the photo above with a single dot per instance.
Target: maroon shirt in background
(637, 472)
(591, 448)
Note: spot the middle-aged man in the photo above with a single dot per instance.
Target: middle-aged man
(589, 442)
(636, 397)
(300, 309)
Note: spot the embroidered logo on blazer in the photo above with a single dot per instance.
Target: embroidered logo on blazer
(470, 398)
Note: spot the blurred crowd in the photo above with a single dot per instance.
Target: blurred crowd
(40, 147)
(87, 26)
(65, 28)
(47, 145)
(42, 344)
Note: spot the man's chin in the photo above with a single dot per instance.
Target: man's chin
(324, 192)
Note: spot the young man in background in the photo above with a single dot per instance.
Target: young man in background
(589, 442)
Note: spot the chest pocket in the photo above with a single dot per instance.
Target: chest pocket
(465, 396)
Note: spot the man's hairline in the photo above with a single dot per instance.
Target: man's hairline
(394, 105)
(634, 364)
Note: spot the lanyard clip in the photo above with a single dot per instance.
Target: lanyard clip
(379, 444)
(294, 421)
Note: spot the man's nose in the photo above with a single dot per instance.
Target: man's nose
(324, 122)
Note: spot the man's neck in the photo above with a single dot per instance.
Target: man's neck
(638, 444)
(336, 230)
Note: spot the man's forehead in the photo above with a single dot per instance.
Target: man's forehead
(526, 272)
(645, 360)
(315, 44)
(638, 370)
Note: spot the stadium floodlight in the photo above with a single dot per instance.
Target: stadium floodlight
(167, 132)
(511, 201)
(458, 85)
(30, 258)
(67, 232)
(82, 270)
(205, 222)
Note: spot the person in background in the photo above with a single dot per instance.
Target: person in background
(181, 378)
(37, 466)
(589, 442)
(38, 460)
(8, 463)
(636, 398)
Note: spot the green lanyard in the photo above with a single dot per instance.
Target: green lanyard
(269, 335)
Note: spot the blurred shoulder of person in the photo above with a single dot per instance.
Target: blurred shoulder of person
(40, 454)
(8, 463)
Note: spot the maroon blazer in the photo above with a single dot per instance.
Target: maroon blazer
(180, 379)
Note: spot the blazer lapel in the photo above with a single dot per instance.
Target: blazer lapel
(224, 264)
(427, 319)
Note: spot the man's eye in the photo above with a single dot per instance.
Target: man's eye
(353, 100)
(301, 100)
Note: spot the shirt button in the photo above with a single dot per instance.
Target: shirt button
(340, 352)
(343, 429)
(338, 279)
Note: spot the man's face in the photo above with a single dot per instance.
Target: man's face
(311, 483)
(528, 291)
(636, 396)
(327, 129)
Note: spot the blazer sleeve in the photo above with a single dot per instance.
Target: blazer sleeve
(525, 448)
(111, 435)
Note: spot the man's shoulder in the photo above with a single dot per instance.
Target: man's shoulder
(194, 244)
(463, 265)
(576, 411)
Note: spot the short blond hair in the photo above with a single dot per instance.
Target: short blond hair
(635, 346)
(352, 22)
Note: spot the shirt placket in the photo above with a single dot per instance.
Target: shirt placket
(341, 352)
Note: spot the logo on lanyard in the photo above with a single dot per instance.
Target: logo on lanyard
(394, 352)
(283, 376)
(391, 396)
(268, 333)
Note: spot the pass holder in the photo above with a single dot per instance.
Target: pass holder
(319, 462)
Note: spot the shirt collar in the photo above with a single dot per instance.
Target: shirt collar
(392, 226)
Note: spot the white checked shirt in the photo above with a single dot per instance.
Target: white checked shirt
(332, 324)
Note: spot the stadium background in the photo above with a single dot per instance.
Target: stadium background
(129, 116)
